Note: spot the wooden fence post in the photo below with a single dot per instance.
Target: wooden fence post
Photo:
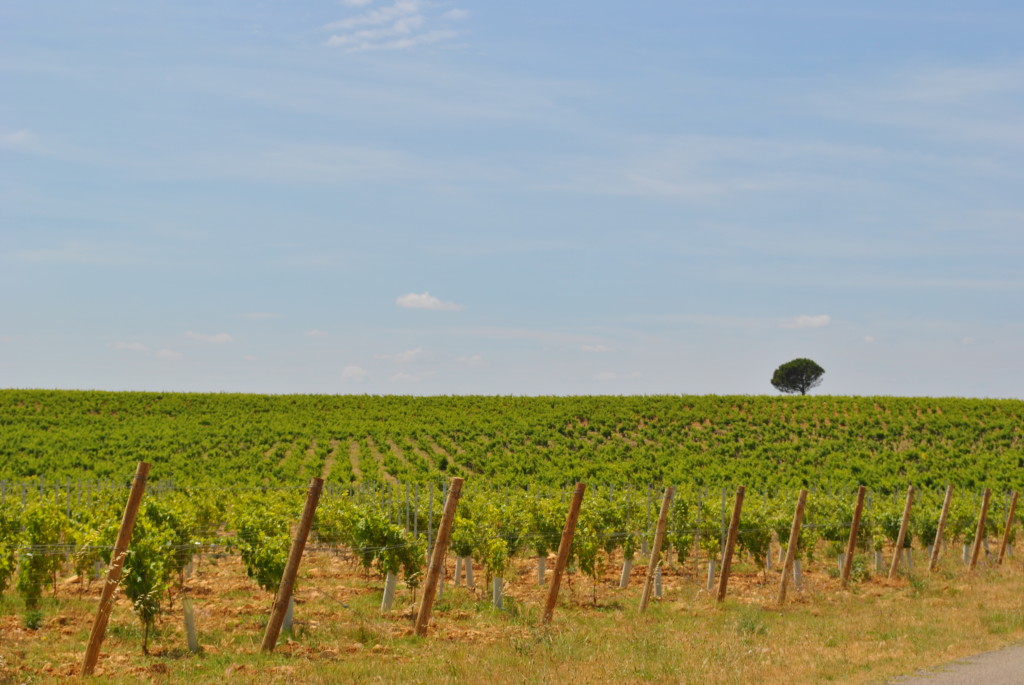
(794, 538)
(858, 509)
(1009, 526)
(941, 527)
(902, 536)
(440, 549)
(563, 551)
(730, 543)
(291, 569)
(979, 535)
(117, 557)
(659, 539)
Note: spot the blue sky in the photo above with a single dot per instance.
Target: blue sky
(511, 198)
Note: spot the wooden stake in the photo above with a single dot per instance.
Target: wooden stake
(291, 569)
(440, 549)
(730, 543)
(937, 544)
(979, 535)
(659, 539)
(901, 538)
(1008, 528)
(794, 538)
(858, 509)
(563, 551)
(117, 557)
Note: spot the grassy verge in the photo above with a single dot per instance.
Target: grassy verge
(875, 630)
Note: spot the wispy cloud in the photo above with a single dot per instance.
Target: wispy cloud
(405, 377)
(612, 376)
(508, 333)
(216, 338)
(402, 357)
(402, 377)
(958, 103)
(402, 25)
(22, 140)
(132, 346)
(171, 355)
(304, 163)
(425, 301)
(316, 333)
(696, 168)
(472, 360)
(808, 321)
(74, 253)
(354, 373)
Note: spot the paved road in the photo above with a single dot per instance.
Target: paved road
(1002, 667)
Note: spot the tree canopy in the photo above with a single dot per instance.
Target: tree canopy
(798, 376)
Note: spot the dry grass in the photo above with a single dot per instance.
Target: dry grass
(875, 630)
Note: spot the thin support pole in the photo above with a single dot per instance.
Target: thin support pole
(858, 509)
(659, 538)
(291, 569)
(444, 531)
(1008, 527)
(794, 539)
(902, 536)
(979, 535)
(937, 543)
(563, 551)
(117, 558)
(730, 543)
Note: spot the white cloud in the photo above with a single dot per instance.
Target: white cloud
(356, 3)
(216, 338)
(611, 375)
(6, 338)
(249, 358)
(808, 321)
(596, 348)
(402, 357)
(869, 339)
(472, 360)
(328, 165)
(968, 340)
(19, 140)
(169, 354)
(401, 25)
(403, 377)
(425, 301)
(72, 252)
(379, 16)
(354, 373)
(134, 346)
(949, 103)
(427, 38)
(316, 333)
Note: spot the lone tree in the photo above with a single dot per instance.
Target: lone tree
(799, 375)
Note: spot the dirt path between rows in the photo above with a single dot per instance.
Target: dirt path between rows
(353, 458)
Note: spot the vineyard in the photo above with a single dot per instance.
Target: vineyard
(761, 442)
(228, 482)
